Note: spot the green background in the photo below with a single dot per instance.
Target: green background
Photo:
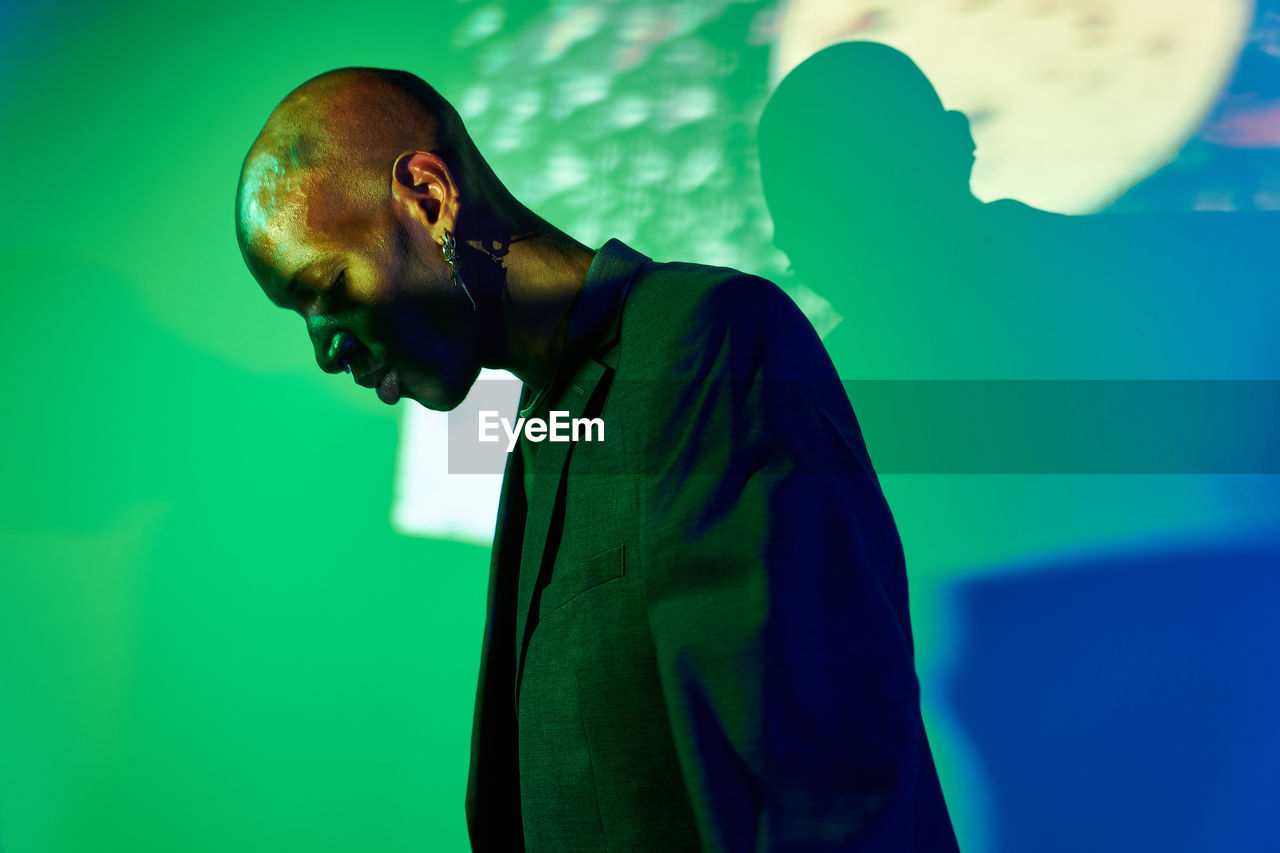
(211, 638)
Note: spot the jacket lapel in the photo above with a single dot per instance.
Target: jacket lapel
(589, 344)
(546, 506)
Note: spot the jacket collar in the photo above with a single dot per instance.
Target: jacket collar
(593, 328)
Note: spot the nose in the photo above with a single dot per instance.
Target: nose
(330, 342)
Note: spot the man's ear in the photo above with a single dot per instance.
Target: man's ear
(424, 191)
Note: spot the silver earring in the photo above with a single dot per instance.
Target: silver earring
(449, 248)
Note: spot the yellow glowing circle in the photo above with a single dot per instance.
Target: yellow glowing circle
(1071, 101)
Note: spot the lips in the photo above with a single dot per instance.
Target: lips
(389, 387)
(385, 379)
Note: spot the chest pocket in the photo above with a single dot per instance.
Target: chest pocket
(573, 579)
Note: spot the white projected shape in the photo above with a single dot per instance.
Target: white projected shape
(428, 500)
(1071, 101)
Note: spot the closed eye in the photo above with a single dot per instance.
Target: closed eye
(333, 290)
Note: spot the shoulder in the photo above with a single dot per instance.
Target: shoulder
(720, 370)
(678, 310)
(682, 289)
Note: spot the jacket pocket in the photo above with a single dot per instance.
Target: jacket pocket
(571, 580)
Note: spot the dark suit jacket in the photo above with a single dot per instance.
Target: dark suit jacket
(697, 634)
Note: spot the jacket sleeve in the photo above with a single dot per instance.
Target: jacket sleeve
(775, 588)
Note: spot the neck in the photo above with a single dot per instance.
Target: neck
(541, 271)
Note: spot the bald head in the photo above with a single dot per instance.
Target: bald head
(364, 207)
(338, 135)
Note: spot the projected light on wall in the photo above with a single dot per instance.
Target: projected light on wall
(1071, 101)
(638, 121)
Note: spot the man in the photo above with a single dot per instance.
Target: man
(697, 631)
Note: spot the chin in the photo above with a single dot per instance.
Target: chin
(440, 396)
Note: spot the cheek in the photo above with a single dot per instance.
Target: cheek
(369, 283)
(413, 308)
(438, 340)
